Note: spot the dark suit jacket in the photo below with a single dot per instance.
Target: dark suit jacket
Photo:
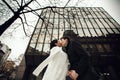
(79, 61)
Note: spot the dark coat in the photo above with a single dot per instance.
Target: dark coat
(79, 61)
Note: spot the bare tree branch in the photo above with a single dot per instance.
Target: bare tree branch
(66, 3)
(37, 9)
(1, 4)
(21, 2)
(10, 33)
(35, 13)
(26, 21)
(8, 6)
(50, 2)
(5, 25)
(15, 28)
(17, 3)
(61, 15)
(37, 2)
(23, 26)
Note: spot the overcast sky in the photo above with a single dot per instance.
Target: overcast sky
(18, 43)
(112, 7)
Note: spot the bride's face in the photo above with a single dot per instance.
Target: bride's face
(59, 43)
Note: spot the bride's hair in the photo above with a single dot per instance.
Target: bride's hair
(52, 44)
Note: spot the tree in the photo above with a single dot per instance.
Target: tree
(16, 14)
(19, 9)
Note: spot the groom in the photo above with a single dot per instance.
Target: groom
(80, 67)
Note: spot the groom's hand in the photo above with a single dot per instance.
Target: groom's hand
(73, 74)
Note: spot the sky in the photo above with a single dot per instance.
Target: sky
(18, 42)
(112, 7)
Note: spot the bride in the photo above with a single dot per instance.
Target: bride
(57, 63)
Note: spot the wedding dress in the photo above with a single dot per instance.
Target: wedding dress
(57, 65)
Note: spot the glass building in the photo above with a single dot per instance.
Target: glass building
(98, 32)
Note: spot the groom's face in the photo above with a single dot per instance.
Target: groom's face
(64, 42)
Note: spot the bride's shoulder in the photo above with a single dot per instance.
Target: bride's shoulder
(55, 48)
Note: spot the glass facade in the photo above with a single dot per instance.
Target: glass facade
(86, 21)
